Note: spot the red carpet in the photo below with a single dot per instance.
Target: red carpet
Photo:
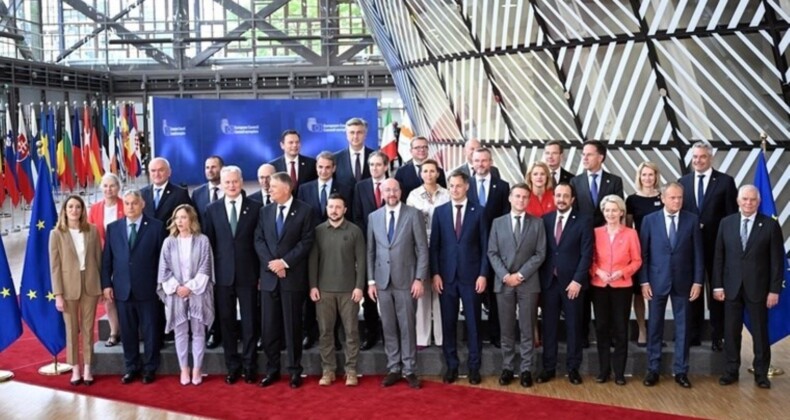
(216, 399)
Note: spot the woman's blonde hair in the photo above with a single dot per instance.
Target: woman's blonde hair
(194, 225)
(649, 165)
(63, 220)
(546, 169)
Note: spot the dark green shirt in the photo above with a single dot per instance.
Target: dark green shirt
(337, 260)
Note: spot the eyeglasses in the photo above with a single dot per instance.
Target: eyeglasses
(420, 148)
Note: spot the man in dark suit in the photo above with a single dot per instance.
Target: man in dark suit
(299, 167)
(672, 269)
(130, 265)
(265, 172)
(492, 194)
(468, 167)
(352, 162)
(748, 274)
(368, 197)
(552, 155)
(162, 196)
(711, 195)
(283, 240)
(230, 225)
(212, 190)
(459, 266)
(408, 175)
(316, 194)
(564, 278)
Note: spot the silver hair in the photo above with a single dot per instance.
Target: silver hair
(231, 169)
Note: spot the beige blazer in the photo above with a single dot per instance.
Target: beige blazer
(65, 265)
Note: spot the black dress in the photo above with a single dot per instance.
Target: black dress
(639, 206)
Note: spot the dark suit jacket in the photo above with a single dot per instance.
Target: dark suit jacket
(172, 197)
(235, 261)
(497, 203)
(565, 176)
(756, 271)
(293, 247)
(608, 184)
(462, 259)
(201, 197)
(465, 169)
(720, 201)
(132, 273)
(408, 179)
(571, 258)
(306, 171)
(364, 203)
(344, 173)
(308, 193)
(258, 196)
(666, 268)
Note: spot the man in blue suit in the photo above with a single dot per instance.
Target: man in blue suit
(564, 278)
(459, 266)
(299, 167)
(672, 269)
(130, 265)
(409, 175)
(352, 162)
(212, 190)
(162, 196)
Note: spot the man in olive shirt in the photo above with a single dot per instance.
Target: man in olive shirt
(337, 276)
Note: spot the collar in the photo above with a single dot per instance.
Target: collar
(160, 187)
(288, 203)
(667, 214)
(707, 173)
(514, 214)
(599, 172)
(396, 209)
(137, 221)
(342, 226)
(384, 178)
(462, 203)
(237, 199)
(565, 215)
(288, 161)
(328, 183)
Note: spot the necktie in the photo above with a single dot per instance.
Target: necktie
(215, 194)
(280, 222)
(745, 233)
(391, 228)
(558, 229)
(267, 200)
(419, 172)
(700, 191)
(357, 168)
(234, 217)
(517, 231)
(458, 221)
(377, 194)
(323, 200)
(157, 196)
(481, 192)
(133, 235)
(673, 231)
(293, 173)
(554, 175)
(594, 189)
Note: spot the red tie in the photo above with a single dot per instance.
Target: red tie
(558, 229)
(377, 194)
(458, 224)
(293, 173)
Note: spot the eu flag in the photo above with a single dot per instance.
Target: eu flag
(9, 307)
(37, 299)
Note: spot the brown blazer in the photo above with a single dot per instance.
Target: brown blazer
(65, 266)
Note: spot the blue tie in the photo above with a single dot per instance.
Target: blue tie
(594, 189)
(673, 231)
(280, 222)
(481, 192)
(391, 228)
(323, 199)
(157, 196)
(745, 233)
(700, 191)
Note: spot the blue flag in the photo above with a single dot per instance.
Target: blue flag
(37, 299)
(779, 315)
(11, 327)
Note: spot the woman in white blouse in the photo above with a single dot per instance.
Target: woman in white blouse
(186, 286)
(426, 198)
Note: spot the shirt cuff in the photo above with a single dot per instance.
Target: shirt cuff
(371, 282)
(718, 290)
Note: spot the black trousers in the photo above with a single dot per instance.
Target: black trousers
(247, 297)
(612, 307)
(281, 320)
(733, 319)
(136, 316)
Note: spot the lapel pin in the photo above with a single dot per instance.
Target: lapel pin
(760, 225)
(293, 213)
(145, 223)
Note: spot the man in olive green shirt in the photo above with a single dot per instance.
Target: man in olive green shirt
(337, 275)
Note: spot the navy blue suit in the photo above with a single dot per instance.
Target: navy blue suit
(132, 274)
(460, 262)
(171, 197)
(409, 180)
(308, 193)
(258, 196)
(201, 197)
(566, 261)
(282, 299)
(670, 271)
(306, 171)
(607, 185)
(345, 167)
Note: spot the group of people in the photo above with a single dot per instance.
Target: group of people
(323, 236)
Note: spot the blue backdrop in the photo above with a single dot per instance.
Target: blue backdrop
(246, 132)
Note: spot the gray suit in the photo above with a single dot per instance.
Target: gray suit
(523, 255)
(394, 267)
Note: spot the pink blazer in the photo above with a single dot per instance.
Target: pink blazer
(96, 216)
(623, 253)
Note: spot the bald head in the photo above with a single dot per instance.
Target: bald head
(265, 172)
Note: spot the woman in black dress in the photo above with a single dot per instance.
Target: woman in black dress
(646, 200)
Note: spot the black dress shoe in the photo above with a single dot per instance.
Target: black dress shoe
(413, 381)
(574, 377)
(717, 345)
(296, 381)
(88, 382)
(128, 378)
(506, 377)
(149, 377)
(728, 379)
(474, 377)
(496, 343)
(526, 379)
(651, 379)
(601, 378)
(76, 382)
(391, 379)
(450, 376)
(619, 380)
(368, 344)
(308, 342)
(762, 382)
(213, 341)
(270, 379)
(694, 342)
(546, 376)
(585, 344)
(232, 377)
(683, 380)
(250, 376)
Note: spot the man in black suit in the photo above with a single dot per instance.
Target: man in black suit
(162, 196)
(493, 195)
(265, 172)
(468, 167)
(367, 198)
(748, 274)
(230, 225)
(212, 190)
(552, 155)
(564, 278)
(316, 194)
(352, 162)
(300, 168)
(283, 240)
(711, 195)
(408, 175)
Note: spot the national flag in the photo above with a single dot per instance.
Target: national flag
(94, 161)
(34, 139)
(77, 149)
(134, 167)
(53, 142)
(404, 137)
(37, 299)
(117, 148)
(389, 140)
(9, 306)
(104, 136)
(9, 160)
(24, 172)
(64, 152)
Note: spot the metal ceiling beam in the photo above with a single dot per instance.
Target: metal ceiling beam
(351, 52)
(8, 21)
(96, 31)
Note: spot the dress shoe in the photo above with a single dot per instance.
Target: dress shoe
(270, 379)
(652, 378)
(450, 376)
(88, 382)
(307, 342)
(506, 377)
(149, 377)
(683, 380)
(574, 377)
(212, 342)
(185, 379)
(75, 382)
(232, 377)
(728, 379)
(474, 377)
(585, 344)
(526, 379)
(717, 345)
(619, 380)
(694, 342)
(296, 381)
(368, 344)
(128, 378)
(413, 381)
(250, 376)
(762, 382)
(496, 343)
(390, 379)
(602, 378)
(546, 376)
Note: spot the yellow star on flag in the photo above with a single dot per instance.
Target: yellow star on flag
(31, 294)
(41, 225)
(6, 292)
(50, 296)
